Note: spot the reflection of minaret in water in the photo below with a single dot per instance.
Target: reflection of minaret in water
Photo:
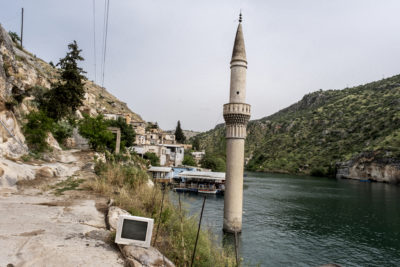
(236, 115)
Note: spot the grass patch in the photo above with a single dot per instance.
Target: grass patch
(126, 183)
(70, 184)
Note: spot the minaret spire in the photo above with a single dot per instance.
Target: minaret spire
(236, 115)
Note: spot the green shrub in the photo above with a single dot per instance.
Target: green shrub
(154, 160)
(36, 130)
(189, 160)
(100, 167)
(214, 162)
(127, 132)
(95, 130)
(61, 131)
(14, 36)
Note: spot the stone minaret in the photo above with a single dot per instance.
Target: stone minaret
(236, 115)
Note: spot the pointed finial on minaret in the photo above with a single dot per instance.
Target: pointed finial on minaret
(240, 17)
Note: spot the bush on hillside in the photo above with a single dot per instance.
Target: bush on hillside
(153, 158)
(36, 130)
(189, 160)
(14, 36)
(127, 133)
(95, 130)
(61, 131)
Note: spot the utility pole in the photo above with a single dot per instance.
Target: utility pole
(22, 25)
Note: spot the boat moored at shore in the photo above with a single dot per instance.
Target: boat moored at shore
(200, 182)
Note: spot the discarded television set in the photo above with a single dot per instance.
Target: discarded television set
(134, 230)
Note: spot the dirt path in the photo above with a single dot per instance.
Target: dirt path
(56, 224)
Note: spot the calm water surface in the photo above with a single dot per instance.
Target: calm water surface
(306, 221)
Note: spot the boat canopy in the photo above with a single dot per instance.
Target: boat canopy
(202, 175)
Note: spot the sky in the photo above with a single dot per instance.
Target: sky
(169, 60)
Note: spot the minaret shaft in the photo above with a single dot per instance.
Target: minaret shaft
(236, 115)
(238, 83)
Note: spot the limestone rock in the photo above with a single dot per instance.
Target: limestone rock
(80, 141)
(69, 142)
(369, 165)
(145, 256)
(52, 142)
(100, 157)
(44, 172)
(113, 215)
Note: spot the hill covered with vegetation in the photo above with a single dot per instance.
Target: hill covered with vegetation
(322, 129)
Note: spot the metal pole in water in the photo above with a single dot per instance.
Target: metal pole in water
(198, 231)
(159, 217)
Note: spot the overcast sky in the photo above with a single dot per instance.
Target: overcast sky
(169, 60)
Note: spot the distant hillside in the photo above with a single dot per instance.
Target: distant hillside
(322, 129)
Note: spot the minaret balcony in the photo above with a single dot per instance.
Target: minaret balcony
(237, 113)
(240, 108)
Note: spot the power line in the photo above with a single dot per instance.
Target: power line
(94, 40)
(102, 41)
(105, 39)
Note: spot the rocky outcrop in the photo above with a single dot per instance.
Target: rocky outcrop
(22, 74)
(136, 256)
(370, 166)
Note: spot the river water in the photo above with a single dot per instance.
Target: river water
(307, 221)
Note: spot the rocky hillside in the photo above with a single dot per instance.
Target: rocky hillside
(20, 72)
(327, 133)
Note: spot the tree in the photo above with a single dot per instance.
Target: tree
(213, 162)
(14, 36)
(154, 160)
(179, 136)
(196, 143)
(127, 133)
(95, 130)
(189, 160)
(67, 94)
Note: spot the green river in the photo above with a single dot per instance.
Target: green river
(306, 221)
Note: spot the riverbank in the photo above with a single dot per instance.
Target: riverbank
(128, 185)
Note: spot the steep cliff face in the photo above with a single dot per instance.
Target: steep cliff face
(370, 166)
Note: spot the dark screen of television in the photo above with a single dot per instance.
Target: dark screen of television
(134, 230)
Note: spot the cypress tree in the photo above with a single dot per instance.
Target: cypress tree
(179, 136)
(66, 95)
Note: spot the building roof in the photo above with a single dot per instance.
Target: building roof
(239, 51)
(170, 145)
(202, 175)
(160, 169)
